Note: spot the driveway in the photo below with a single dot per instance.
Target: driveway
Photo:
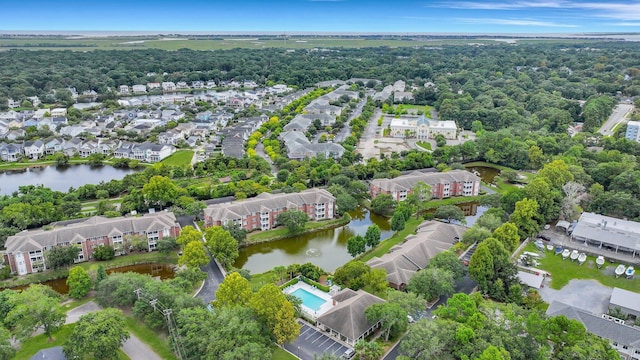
(133, 347)
(588, 295)
(211, 284)
(312, 342)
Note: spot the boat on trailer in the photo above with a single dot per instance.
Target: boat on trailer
(629, 272)
(558, 250)
(599, 261)
(620, 270)
(574, 255)
(582, 258)
(565, 254)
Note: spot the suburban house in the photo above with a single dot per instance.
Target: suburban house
(26, 249)
(153, 85)
(443, 185)
(53, 145)
(168, 86)
(145, 152)
(346, 319)
(623, 338)
(33, 149)
(10, 152)
(414, 253)
(139, 88)
(58, 112)
(608, 232)
(123, 89)
(422, 128)
(261, 212)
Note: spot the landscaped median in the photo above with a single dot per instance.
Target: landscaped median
(283, 233)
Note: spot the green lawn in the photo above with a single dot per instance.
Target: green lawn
(432, 204)
(31, 346)
(425, 108)
(179, 158)
(398, 237)
(151, 338)
(276, 234)
(424, 144)
(281, 354)
(562, 271)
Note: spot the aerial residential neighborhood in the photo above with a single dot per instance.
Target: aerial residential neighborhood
(430, 181)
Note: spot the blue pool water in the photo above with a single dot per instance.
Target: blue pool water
(308, 299)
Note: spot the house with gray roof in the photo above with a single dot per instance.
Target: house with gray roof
(625, 339)
(443, 185)
(25, 250)
(10, 152)
(261, 212)
(346, 319)
(33, 149)
(607, 232)
(145, 152)
(416, 251)
(299, 147)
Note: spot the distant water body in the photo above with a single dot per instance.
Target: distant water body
(59, 178)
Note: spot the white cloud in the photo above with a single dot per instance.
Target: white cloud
(618, 11)
(627, 23)
(515, 22)
(471, 5)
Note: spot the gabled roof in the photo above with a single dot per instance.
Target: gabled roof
(414, 254)
(407, 182)
(95, 226)
(236, 210)
(347, 317)
(607, 329)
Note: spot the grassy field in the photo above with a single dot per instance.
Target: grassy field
(424, 144)
(179, 158)
(151, 338)
(398, 237)
(281, 354)
(415, 108)
(562, 271)
(31, 346)
(221, 43)
(282, 233)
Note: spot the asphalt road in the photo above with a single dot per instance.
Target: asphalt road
(211, 284)
(133, 347)
(617, 116)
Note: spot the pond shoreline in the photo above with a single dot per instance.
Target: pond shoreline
(343, 221)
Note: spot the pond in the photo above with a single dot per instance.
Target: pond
(326, 248)
(59, 178)
(163, 271)
(487, 174)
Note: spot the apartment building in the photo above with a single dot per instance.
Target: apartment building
(443, 185)
(26, 250)
(261, 212)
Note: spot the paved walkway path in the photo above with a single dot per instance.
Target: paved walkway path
(133, 347)
(215, 276)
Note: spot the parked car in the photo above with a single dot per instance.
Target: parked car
(350, 353)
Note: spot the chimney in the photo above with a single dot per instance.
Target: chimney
(604, 224)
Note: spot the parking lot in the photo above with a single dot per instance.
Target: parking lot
(314, 342)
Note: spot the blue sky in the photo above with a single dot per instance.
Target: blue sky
(474, 16)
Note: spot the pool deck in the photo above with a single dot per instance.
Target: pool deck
(319, 293)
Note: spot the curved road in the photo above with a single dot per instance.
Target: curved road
(619, 115)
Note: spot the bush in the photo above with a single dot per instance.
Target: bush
(104, 252)
(315, 284)
(117, 290)
(289, 283)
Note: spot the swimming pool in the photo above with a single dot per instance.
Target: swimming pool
(309, 300)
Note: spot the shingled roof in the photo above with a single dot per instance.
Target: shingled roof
(607, 329)
(348, 317)
(266, 202)
(407, 182)
(92, 227)
(414, 254)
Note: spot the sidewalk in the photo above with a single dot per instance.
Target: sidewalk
(133, 347)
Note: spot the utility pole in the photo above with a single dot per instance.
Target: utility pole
(171, 322)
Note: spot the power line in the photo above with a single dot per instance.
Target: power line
(172, 326)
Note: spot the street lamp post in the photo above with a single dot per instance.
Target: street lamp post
(298, 352)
